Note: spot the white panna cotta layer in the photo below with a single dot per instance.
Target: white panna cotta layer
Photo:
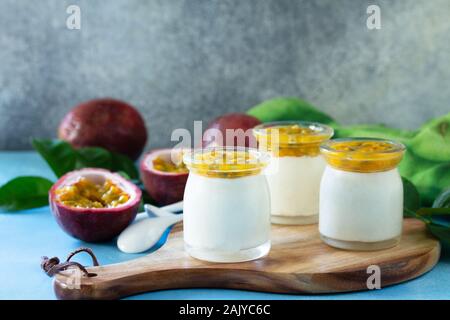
(294, 184)
(226, 216)
(361, 207)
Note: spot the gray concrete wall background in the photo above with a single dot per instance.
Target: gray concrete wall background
(184, 60)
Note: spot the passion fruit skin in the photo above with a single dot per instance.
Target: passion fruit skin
(107, 123)
(94, 224)
(163, 187)
(233, 121)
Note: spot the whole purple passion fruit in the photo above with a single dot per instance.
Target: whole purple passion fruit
(107, 123)
(232, 129)
(94, 204)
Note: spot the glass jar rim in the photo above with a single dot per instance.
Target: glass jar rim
(320, 132)
(353, 155)
(222, 159)
(329, 147)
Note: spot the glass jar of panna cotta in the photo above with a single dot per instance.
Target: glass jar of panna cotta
(361, 194)
(295, 169)
(226, 204)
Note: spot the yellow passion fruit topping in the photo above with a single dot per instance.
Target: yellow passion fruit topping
(226, 162)
(363, 154)
(292, 139)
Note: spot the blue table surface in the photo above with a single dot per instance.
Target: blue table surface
(28, 235)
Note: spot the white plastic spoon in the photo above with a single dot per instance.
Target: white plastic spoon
(145, 233)
(153, 211)
(172, 208)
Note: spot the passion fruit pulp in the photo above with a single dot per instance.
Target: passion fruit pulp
(86, 194)
(163, 178)
(94, 204)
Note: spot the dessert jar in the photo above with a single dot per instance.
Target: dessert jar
(226, 204)
(295, 168)
(361, 194)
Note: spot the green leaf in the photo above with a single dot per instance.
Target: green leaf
(60, 155)
(432, 181)
(412, 164)
(124, 175)
(24, 193)
(63, 158)
(93, 157)
(411, 197)
(410, 213)
(125, 164)
(433, 140)
(443, 233)
(280, 109)
(443, 200)
(437, 216)
(433, 211)
(373, 131)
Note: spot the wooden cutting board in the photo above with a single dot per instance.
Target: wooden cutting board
(299, 262)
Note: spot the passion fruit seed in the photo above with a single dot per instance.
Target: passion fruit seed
(86, 194)
(364, 146)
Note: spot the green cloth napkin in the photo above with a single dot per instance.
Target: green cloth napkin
(426, 162)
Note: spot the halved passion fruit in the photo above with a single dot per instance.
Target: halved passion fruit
(94, 204)
(164, 175)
